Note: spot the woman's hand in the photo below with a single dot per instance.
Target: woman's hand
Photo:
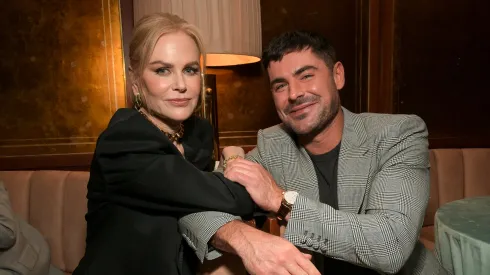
(231, 151)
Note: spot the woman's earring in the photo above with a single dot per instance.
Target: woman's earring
(137, 101)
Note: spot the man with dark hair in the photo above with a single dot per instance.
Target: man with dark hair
(351, 188)
(297, 41)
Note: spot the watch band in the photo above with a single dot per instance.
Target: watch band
(284, 209)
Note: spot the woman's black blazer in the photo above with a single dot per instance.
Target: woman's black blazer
(140, 185)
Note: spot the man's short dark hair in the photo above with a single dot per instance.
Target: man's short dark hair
(295, 41)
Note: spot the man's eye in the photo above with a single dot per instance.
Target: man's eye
(279, 87)
(307, 76)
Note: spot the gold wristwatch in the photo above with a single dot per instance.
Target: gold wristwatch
(288, 200)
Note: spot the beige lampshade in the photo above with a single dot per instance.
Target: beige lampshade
(231, 29)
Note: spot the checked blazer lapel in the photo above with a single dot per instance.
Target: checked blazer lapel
(353, 167)
(354, 164)
(298, 170)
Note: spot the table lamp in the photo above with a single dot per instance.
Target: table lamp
(232, 35)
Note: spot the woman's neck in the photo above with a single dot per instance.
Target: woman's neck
(161, 123)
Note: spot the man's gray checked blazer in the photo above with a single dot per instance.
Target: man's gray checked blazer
(383, 191)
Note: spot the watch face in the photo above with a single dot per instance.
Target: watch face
(290, 196)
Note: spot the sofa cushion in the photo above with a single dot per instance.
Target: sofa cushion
(18, 185)
(476, 172)
(55, 203)
(427, 237)
(457, 174)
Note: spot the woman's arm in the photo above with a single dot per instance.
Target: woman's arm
(230, 152)
(137, 167)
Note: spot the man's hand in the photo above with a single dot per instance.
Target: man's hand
(258, 182)
(263, 253)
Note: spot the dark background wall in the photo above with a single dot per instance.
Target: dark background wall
(442, 57)
(61, 79)
(244, 98)
(62, 71)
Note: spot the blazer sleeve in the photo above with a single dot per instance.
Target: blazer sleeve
(198, 228)
(383, 237)
(140, 168)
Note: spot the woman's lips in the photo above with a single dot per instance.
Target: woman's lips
(179, 102)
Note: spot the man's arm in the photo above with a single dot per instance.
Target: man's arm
(381, 238)
(198, 228)
(262, 253)
(384, 236)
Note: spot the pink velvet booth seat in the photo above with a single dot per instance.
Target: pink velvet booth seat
(53, 202)
(455, 174)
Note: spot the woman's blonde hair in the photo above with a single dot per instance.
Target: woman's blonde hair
(146, 33)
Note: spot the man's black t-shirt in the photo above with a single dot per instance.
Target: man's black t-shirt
(326, 172)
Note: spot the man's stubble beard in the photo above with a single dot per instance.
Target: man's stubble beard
(323, 121)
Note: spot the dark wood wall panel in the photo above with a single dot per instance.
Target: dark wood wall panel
(380, 72)
(127, 23)
(336, 20)
(244, 100)
(442, 57)
(62, 78)
(244, 104)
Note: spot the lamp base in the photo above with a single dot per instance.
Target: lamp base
(210, 109)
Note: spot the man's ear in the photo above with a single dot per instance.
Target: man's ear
(338, 75)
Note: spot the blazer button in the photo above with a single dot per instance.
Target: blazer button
(303, 240)
(309, 242)
(323, 248)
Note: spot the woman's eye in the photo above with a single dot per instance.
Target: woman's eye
(162, 71)
(191, 71)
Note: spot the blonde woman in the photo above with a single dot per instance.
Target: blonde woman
(152, 164)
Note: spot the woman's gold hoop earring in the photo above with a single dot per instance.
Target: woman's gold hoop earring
(137, 101)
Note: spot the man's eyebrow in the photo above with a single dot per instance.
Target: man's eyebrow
(277, 80)
(303, 69)
(296, 73)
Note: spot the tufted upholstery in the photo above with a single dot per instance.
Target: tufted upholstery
(455, 174)
(55, 202)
